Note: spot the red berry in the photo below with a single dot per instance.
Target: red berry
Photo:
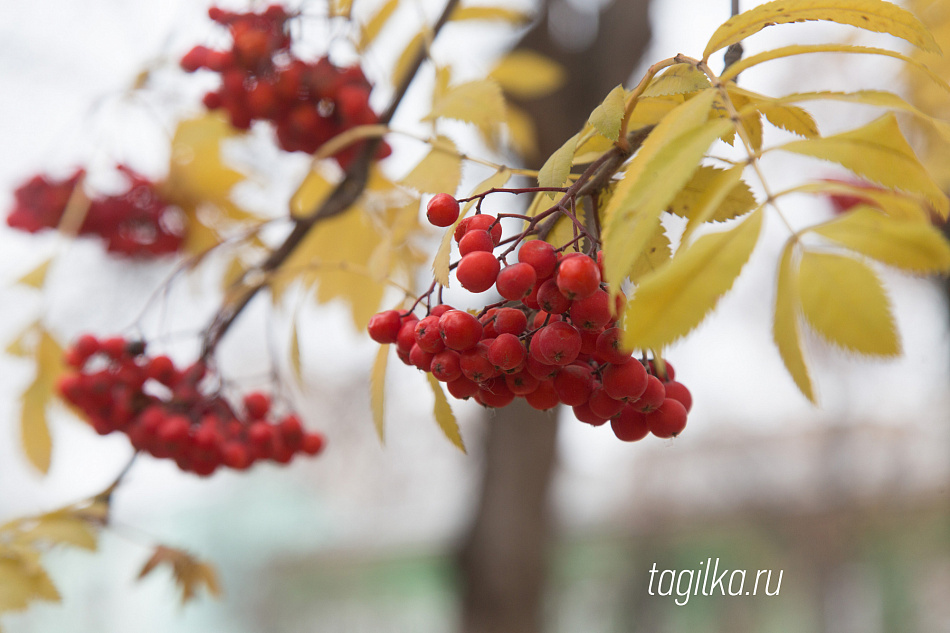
(521, 383)
(427, 335)
(384, 326)
(313, 443)
(573, 385)
(652, 397)
(557, 343)
(507, 352)
(578, 277)
(544, 397)
(510, 321)
(593, 312)
(630, 425)
(540, 255)
(477, 271)
(442, 210)
(609, 347)
(678, 391)
(421, 358)
(445, 366)
(668, 420)
(485, 223)
(257, 404)
(585, 414)
(477, 240)
(602, 404)
(462, 388)
(459, 330)
(625, 382)
(494, 393)
(551, 299)
(516, 281)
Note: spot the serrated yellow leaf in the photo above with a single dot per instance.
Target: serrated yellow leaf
(650, 111)
(801, 49)
(872, 15)
(443, 79)
(526, 74)
(490, 13)
(408, 55)
(556, 169)
(789, 118)
(785, 328)
(750, 118)
(591, 149)
(669, 303)
(656, 253)
(23, 580)
(441, 262)
(375, 24)
(897, 204)
(440, 170)
(443, 414)
(917, 247)
(843, 301)
(878, 152)
(606, 117)
(667, 159)
(480, 102)
(377, 391)
(677, 79)
(189, 573)
(36, 277)
(711, 197)
(737, 200)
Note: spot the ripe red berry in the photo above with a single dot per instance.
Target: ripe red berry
(257, 404)
(462, 388)
(593, 312)
(476, 240)
(507, 352)
(609, 347)
(630, 425)
(384, 327)
(516, 281)
(557, 343)
(578, 277)
(668, 420)
(313, 443)
(678, 391)
(573, 385)
(477, 271)
(442, 210)
(521, 383)
(540, 255)
(428, 336)
(420, 358)
(494, 393)
(602, 404)
(445, 366)
(510, 321)
(652, 397)
(485, 223)
(459, 330)
(551, 299)
(544, 397)
(585, 414)
(625, 382)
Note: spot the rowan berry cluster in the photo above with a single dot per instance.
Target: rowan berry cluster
(261, 79)
(136, 222)
(165, 412)
(553, 339)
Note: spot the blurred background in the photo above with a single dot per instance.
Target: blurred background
(547, 524)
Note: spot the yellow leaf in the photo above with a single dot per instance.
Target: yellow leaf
(341, 8)
(196, 169)
(607, 116)
(878, 152)
(408, 55)
(785, 329)
(522, 132)
(233, 273)
(440, 265)
(24, 342)
(750, 118)
(800, 49)
(736, 201)
(375, 24)
(790, 118)
(490, 13)
(23, 580)
(527, 75)
(913, 246)
(650, 111)
(295, 364)
(556, 169)
(480, 102)
(843, 300)
(62, 527)
(656, 253)
(873, 15)
(667, 159)
(377, 391)
(443, 414)
(590, 149)
(669, 303)
(678, 79)
(710, 198)
(189, 573)
(34, 430)
(440, 170)
(36, 277)
(311, 193)
(897, 204)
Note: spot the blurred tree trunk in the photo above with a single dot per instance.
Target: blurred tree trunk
(503, 557)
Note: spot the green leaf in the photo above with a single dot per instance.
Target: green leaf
(878, 152)
(844, 302)
(528, 75)
(440, 170)
(443, 414)
(669, 303)
(785, 328)
(441, 263)
(377, 391)
(608, 115)
(678, 79)
(872, 15)
(917, 247)
(556, 169)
